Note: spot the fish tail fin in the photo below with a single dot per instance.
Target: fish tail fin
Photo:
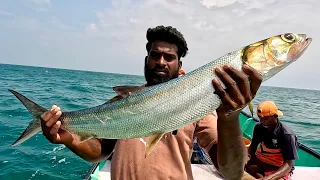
(34, 126)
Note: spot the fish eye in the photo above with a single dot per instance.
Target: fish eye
(288, 37)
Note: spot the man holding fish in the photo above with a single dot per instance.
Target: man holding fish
(171, 159)
(150, 129)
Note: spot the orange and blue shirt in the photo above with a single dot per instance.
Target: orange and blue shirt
(275, 147)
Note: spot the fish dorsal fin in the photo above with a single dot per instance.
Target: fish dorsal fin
(152, 141)
(125, 91)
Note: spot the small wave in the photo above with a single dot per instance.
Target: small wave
(54, 158)
(302, 123)
(78, 89)
(34, 174)
(57, 163)
(15, 152)
(55, 149)
(62, 160)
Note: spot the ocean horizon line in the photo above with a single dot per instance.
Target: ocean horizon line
(118, 73)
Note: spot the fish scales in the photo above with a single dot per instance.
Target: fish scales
(194, 92)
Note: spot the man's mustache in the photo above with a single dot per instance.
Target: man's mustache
(159, 69)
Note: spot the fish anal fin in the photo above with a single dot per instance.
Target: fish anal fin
(152, 141)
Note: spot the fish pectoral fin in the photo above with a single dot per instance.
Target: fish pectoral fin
(251, 108)
(114, 99)
(125, 91)
(152, 142)
(85, 136)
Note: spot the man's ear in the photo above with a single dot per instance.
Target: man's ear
(180, 64)
(145, 60)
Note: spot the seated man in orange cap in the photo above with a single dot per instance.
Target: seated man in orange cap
(274, 145)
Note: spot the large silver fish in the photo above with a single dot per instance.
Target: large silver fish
(153, 111)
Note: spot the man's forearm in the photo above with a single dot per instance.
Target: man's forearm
(283, 170)
(90, 150)
(231, 149)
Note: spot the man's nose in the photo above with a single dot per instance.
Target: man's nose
(161, 61)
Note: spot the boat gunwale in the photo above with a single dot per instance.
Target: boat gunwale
(92, 170)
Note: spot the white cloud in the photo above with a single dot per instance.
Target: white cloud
(115, 41)
(41, 2)
(217, 3)
(250, 4)
(92, 27)
(212, 27)
(5, 14)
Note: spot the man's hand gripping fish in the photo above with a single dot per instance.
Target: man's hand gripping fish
(156, 110)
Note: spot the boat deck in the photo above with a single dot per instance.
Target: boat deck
(205, 172)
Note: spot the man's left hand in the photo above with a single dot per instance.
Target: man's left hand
(241, 88)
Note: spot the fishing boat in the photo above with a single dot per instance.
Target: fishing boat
(306, 167)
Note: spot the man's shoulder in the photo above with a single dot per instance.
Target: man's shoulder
(287, 135)
(210, 118)
(286, 130)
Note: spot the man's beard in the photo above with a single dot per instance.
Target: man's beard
(153, 78)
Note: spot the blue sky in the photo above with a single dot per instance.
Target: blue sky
(109, 36)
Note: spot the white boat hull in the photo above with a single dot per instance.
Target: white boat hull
(205, 172)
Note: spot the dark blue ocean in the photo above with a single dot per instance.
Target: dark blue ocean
(72, 90)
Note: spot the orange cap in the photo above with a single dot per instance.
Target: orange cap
(268, 108)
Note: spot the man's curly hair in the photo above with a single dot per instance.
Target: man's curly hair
(167, 34)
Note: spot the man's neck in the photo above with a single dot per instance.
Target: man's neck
(272, 127)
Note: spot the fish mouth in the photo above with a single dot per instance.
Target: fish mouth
(303, 47)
